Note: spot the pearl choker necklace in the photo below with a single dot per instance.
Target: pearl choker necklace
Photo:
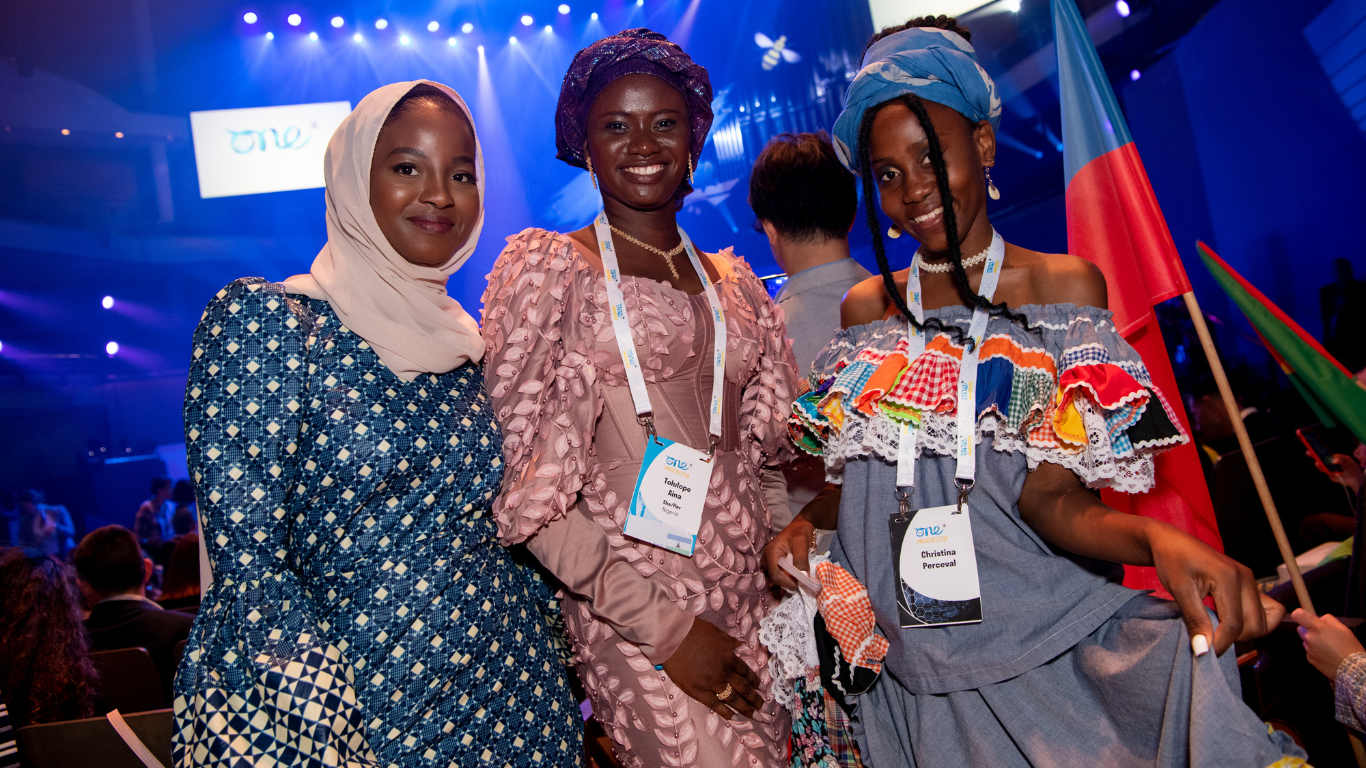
(947, 266)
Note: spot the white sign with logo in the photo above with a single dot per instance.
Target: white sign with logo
(263, 149)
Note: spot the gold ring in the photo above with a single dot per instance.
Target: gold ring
(725, 693)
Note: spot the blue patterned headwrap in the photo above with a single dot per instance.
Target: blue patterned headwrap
(935, 64)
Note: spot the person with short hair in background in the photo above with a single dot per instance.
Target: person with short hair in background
(805, 201)
(180, 589)
(47, 527)
(152, 524)
(114, 575)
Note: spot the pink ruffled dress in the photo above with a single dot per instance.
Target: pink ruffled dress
(573, 449)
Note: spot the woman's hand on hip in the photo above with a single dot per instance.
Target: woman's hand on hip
(795, 540)
(705, 665)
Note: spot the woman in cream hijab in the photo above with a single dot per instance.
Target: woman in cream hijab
(362, 612)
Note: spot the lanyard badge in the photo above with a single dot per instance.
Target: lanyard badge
(933, 552)
(671, 489)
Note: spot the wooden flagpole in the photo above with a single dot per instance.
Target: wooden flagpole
(1244, 442)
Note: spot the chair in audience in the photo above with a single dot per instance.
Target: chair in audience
(94, 741)
(128, 681)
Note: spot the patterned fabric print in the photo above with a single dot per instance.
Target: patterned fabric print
(362, 611)
(810, 738)
(558, 376)
(849, 617)
(1019, 396)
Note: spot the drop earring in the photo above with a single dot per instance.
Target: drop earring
(593, 177)
(690, 168)
(992, 191)
(894, 231)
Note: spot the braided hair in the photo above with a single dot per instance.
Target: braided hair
(960, 275)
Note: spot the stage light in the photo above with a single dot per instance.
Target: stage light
(1122, 8)
(548, 29)
(563, 9)
(66, 131)
(1011, 5)
(337, 22)
(1135, 74)
(107, 302)
(452, 42)
(2, 346)
(527, 20)
(433, 26)
(405, 40)
(111, 349)
(594, 17)
(481, 49)
(381, 23)
(639, 3)
(313, 36)
(294, 19)
(467, 27)
(118, 134)
(270, 35)
(357, 37)
(249, 17)
(512, 40)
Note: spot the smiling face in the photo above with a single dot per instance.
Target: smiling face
(639, 139)
(423, 188)
(900, 155)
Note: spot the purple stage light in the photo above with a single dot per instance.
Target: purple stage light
(107, 302)
(112, 348)
(1122, 8)
(249, 17)
(1135, 74)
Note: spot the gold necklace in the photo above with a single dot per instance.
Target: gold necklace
(668, 255)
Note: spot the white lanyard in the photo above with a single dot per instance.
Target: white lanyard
(622, 327)
(965, 450)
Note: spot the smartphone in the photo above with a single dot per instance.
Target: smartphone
(1314, 442)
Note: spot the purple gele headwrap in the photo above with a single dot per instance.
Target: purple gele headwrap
(634, 51)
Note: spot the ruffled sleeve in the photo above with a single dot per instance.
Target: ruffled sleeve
(258, 631)
(543, 393)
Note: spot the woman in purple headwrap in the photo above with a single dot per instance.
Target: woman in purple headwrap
(644, 488)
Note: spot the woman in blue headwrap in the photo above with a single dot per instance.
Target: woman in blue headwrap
(623, 363)
(964, 411)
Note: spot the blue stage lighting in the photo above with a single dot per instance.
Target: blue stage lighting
(249, 17)
(2, 346)
(594, 17)
(338, 21)
(381, 23)
(1122, 8)
(1012, 5)
(548, 29)
(357, 37)
(107, 302)
(481, 49)
(512, 40)
(270, 35)
(405, 40)
(313, 36)
(452, 42)
(563, 9)
(527, 20)
(294, 19)
(467, 27)
(112, 348)
(1135, 74)
(639, 3)
(433, 26)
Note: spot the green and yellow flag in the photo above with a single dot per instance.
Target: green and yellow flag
(1332, 392)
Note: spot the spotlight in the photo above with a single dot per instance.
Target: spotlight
(313, 36)
(294, 19)
(66, 131)
(512, 40)
(433, 26)
(548, 29)
(118, 134)
(452, 42)
(249, 17)
(594, 17)
(107, 302)
(405, 40)
(527, 20)
(563, 9)
(1122, 8)
(2, 346)
(270, 35)
(381, 23)
(1135, 74)
(481, 49)
(467, 27)
(639, 3)
(338, 21)
(112, 348)
(357, 37)
(1012, 5)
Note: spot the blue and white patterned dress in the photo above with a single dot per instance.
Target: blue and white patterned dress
(362, 611)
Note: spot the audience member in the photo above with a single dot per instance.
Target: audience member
(152, 525)
(805, 202)
(185, 519)
(114, 575)
(45, 670)
(180, 581)
(44, 526)
(1335, 651)
(1342, 303)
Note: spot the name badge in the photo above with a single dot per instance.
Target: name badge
(936, 567)
(666, 508)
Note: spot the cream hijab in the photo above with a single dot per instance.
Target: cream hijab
(401, 309)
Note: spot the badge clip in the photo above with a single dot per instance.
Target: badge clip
(648, 422)
(964, 486)
(904, 514)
